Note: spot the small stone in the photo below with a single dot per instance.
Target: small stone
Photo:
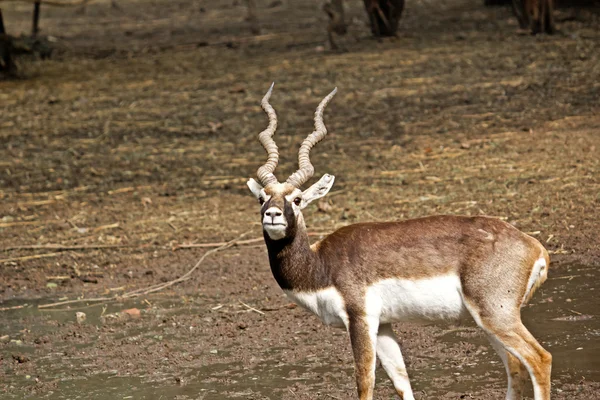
(80, 317)
(133, 312)
(21, 359)
(242, 325)
(51, 285)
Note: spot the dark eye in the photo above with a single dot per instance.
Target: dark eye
(261, 201)
(297, 201)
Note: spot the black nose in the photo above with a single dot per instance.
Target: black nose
(274, 213)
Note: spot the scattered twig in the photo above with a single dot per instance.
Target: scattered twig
(128, 189)
(569, 277)
(62, 303)
(454, 330)
(559, 251)
(24, 258)
(109, 226)
(20, 223)
(203, 245)
(13, 307)
(251, 308)
(60, 247)
(58, 277)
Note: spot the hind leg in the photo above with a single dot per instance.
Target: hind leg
(504, 325)
(515, 370)
(388, 352)
(549, 17)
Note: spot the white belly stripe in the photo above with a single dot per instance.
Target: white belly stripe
(427, 299)
(391, 300)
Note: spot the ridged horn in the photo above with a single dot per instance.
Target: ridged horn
(306, 170)
(265, 173)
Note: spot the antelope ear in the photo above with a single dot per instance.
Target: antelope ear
(254, 187)
(318, 190)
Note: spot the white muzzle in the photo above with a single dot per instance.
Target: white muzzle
(274, 223)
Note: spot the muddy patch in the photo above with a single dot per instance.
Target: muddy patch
(175, 348)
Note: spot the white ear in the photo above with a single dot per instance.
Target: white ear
(318, 190)
(255, 187)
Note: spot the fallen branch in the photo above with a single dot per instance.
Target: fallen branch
(153, 288)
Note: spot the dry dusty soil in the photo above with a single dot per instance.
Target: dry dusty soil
(134, 141)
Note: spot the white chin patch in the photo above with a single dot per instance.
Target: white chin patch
(275, 232)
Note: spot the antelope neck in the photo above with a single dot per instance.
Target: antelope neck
(294, 264)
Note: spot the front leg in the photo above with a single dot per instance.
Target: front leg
(363, 338)
(388, 351)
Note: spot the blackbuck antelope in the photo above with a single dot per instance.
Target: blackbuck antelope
(364, 277)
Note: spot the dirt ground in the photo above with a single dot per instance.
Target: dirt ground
(137, 137)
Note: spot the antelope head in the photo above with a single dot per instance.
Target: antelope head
(282, 203)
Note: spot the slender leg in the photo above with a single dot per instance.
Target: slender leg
(7, 65)
(36, 19)
(549, 17)
(506, 327)
(2, 29)
(391, 359)
(332, 43)
(515, 370)
(252, 18)
(363, 338)
(337, 24)
(370, 7)
(520, 343)
(520, 11)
